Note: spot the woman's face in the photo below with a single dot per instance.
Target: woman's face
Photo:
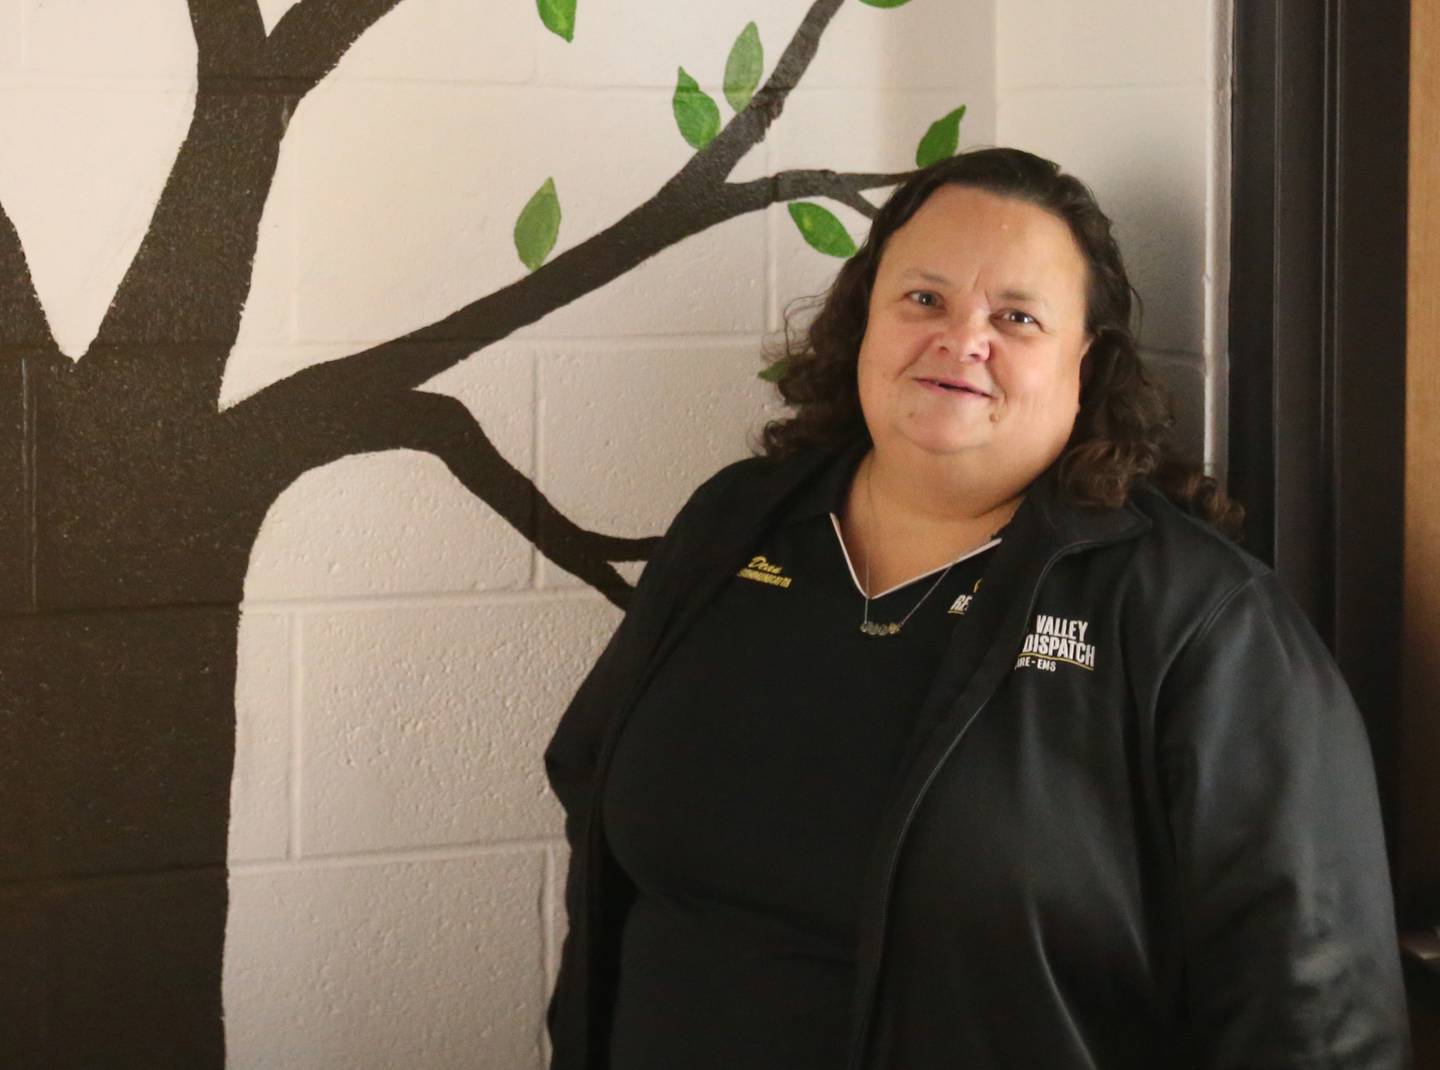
(975, 335)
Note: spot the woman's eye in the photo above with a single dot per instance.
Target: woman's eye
(1014, 315)
(924, 297)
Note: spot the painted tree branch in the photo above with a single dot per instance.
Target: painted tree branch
(316, 408)
(177, 311)
(444, 428)
(332, 410)
(838, 186)
(310, 38)
(748, 128)
(23, 326)
(206, 224)
(696, 198)
(666, 219)
(229, 35)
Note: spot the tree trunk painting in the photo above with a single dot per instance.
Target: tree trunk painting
(125, 486)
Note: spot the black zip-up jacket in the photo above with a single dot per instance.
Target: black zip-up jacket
(1137, 829)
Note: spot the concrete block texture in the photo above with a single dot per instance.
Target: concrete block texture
(559, 867)
(917, 46)
(260, 786)
(118, 972)
(12, 41)
(854, 130)
(446, 41)
(408, 245)
(609, 471)
(117, 742)
(81, 170)
(1054, 43)
(117, 38)
(1144, 152)
(426, 726)
(429, 963)
(400, 522)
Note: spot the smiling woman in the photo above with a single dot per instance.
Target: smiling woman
(1120, 431)
(1024, 763)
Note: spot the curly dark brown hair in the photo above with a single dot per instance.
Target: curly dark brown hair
(1122, 432)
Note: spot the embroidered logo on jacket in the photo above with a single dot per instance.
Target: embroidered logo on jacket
(961, 605)
(1057, 640)
(762, 571)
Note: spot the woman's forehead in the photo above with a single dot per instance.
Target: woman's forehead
(960, 231)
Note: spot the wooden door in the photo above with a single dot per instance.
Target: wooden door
(1420, 723)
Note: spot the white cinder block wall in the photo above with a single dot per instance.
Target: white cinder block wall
(1133, 96)
(396, 860)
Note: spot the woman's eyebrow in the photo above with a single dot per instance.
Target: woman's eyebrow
(1023, 297)
(925, 276)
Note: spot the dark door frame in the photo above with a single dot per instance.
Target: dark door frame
(1317, 330)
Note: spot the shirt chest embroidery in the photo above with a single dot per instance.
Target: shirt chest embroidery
(762, 571)
(961, 605)
(1054, 641)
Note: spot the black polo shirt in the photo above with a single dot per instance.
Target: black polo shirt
(743, 796)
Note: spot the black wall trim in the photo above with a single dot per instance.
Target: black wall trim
(1317, 323)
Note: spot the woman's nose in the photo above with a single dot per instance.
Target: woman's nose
(966, 337)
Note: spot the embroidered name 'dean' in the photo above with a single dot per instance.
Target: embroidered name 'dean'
(763, 571)
(1057, 640)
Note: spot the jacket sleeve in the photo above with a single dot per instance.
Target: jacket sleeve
(574, 750)
(1289, 938)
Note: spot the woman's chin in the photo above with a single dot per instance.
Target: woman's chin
(951, 440)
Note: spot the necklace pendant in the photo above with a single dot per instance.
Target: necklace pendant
(876, 628)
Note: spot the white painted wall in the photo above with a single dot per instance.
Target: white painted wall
(1133, 97)
(396, 857)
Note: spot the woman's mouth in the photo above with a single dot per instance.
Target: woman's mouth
(950, 386)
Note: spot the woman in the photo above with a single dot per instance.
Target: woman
(953, 732)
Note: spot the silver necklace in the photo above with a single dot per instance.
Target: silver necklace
(894, 626)
(875, 628)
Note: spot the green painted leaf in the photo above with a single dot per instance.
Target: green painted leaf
(822, 230)
(885, 3)
(558, 17)
(695, 113)
(742, 69)
(775, 371)
(941, 140)
(538, 226)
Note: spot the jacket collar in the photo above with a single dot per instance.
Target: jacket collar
(1064, 524)
(826, 492)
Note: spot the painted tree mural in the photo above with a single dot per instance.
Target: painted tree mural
(124, 484)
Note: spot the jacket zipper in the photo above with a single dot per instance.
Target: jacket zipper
(857, 1052)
